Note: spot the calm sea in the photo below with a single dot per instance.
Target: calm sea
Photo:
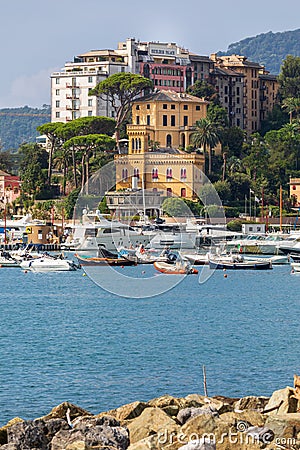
(63, 338)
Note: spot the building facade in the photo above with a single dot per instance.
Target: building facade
(162, 124)
(10, 188)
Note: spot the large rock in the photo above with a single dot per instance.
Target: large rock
(201, 444)
(3, 430)
(251, 402)
(126, 412)
(151, 421)
(92, 433)
(36, 434)
(60, 412)
(282, 402)
(285, 426)
(187, 413)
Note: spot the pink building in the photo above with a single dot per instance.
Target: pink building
(10, 187)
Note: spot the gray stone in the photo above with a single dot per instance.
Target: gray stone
(201, 444)
(188, 413)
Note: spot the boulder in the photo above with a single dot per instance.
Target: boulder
(60, 412)
(151, 421)
(285, 426)
(201, 444)
(126, 412)
(3, 430)
(187, 413)
(94, 433)
(36, 434)
(251, 402)
(282, 402)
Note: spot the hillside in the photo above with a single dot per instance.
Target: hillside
(18, 125)
(268, 49)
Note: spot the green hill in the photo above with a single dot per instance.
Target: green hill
(18, 125)
(269, 49)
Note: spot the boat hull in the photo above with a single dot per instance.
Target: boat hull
(172, 269)
(244, 265)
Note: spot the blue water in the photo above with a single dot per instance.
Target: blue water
(62, 338)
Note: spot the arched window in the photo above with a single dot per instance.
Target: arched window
(136, 173)
(183, 140)
(183, 173)
(169, 192)
(136, 143)
(124, 174)
(183, 192)
(169, 140)
(154, 174)
(132, 144)
(169, 173)
(140, 143)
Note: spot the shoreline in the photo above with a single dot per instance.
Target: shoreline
(194, 422)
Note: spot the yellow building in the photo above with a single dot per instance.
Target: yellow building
(295, 191)
(162, 127)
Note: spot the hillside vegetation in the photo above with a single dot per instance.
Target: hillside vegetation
(269, 49)
(18, 125)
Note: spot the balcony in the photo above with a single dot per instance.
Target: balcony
(72, 86)
(72, 97)
(72, 108)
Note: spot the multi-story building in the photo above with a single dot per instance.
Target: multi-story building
(245, 88)
(252, 72)
(229, 86)
(164, 119)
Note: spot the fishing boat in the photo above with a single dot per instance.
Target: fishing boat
(237, 262)
(48, 263)
(104, 258)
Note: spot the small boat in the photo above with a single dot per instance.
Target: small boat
(47, 263)
(104, 258)
(146, 256)
(178, 268)
(197, 259)
(7, 261)
(233, 262)
(295, 267)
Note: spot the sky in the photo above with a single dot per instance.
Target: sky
(38, 37)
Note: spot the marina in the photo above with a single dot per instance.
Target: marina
(70, 338)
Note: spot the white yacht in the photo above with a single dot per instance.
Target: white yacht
(96, 231)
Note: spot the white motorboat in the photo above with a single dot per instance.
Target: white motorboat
(47, 263)
(95, 231)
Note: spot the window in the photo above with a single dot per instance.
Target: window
(124, 174)
(172, 121)
(57, 80)
(183, 173)
(165, 120)
(169, 174)
(90, 113)
(148, 106)
(183, 192)
(90, 102)
(169, 192)
(197, 107)
(57, 92)
(165, 106)
(185, 121)
(154, 174)
(90, 79)
(185, 107)
(137, 107)
(172, 106)
(137, 120)
(148, 120)
(136, 173)
(57, 103)
(57, 114)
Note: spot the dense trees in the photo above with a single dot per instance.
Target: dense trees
(121, 89)
(206, 135)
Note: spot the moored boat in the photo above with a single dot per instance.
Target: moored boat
(104, 258)
(47, 263)
(177, 268)
(238, 263)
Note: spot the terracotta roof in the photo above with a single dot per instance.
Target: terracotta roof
(171, 96)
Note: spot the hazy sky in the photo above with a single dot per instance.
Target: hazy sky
(38, 37)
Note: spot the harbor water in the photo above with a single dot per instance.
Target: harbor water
(63, 338)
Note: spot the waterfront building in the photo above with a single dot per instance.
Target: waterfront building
(162, 126)
(295, 191)
(10, 187)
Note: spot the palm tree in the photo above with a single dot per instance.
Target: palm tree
(291, 105)
(206, 135)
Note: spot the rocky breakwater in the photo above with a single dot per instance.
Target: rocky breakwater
(194, 422)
